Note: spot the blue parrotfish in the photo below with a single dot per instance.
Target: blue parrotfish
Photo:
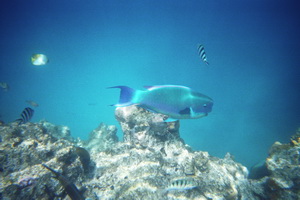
(177, 102)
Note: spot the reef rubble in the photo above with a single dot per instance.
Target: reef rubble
(152, 163)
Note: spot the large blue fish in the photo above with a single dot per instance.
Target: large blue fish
(178, 102)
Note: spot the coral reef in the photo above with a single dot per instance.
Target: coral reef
(57, 131)
(152, 162)
(103, 138)
(284, 164)
(144, 129)
(22, 151)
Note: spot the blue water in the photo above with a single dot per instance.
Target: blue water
(252, 47)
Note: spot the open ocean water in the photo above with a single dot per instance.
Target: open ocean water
(253, 48)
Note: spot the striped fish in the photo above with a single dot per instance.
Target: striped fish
(26, 115)
(202, 53)
(182, 184)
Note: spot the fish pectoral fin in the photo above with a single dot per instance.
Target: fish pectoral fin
(186, 111)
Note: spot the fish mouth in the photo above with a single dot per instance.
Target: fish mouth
(200, 115)
(205, 114)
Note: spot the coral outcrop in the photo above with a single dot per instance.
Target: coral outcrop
(22, 151)
(143, 129)
(103, 138)
(284, 165)
(152, 162)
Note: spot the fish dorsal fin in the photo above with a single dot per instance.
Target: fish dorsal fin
(164, 86)
(148, 87)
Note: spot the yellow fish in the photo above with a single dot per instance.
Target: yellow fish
(39, 59)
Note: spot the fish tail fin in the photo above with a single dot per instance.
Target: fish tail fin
(19, 121)
(126, 96)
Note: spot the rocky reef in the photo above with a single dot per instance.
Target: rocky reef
(152, 162)
(283, 164)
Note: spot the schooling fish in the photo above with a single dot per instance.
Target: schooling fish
(39, 59)
(202, 53)
(26, 115)
(178, 102)
(69, 187)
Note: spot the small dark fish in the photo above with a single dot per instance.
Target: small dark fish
(70, 187)
(84, 157)
(26, 115)
(32, 103)
(202, 53)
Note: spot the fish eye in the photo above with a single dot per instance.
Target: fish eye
(204, 105)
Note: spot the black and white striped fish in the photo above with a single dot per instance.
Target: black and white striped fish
(202, 53)
(182, 184)
(26, 115)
